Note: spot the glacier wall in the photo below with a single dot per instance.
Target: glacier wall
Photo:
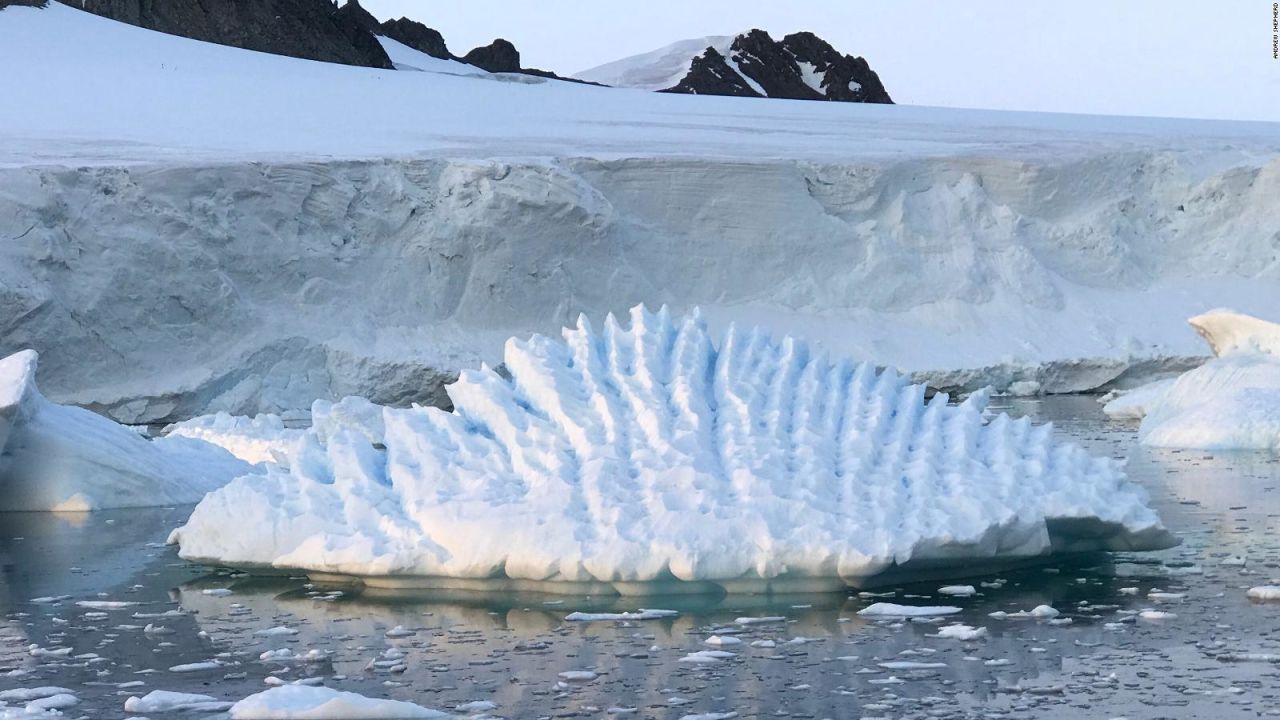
(159, 292)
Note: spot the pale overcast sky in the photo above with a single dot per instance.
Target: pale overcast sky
(1178, 58)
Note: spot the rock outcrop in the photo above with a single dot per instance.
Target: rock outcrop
(309, 29)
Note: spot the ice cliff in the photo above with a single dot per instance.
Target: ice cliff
(651, 456)
(198, 243)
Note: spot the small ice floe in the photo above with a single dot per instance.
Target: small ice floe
(50, 599)
(281, 655)
(49, 705)
(618, 710)
(641, 614)
(160, 701)
(26, 695)
(476, 706)
(105, 604)
(1155, 615)
(1264, 593)
(760, 620)
(1249, 657)
(37, 651)
(276, 631)
(399, 631)
(997, 662)
(961, 632)
(1166, 596)
(710, 716)
(216, 592)
(1235, 561)
(578, 675)
(152, 629)
(722, 640)
(893, 610)
(300, 702)
(958, 590)
(196, 666)
(706, 656)
(763, 643)
(911, 665)
(1039, 612)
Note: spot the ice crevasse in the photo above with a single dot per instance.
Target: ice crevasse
(1232, 402)
(650, 458)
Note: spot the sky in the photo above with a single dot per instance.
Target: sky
(1175, 58)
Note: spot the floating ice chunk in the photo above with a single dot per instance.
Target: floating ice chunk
(476, 706)
(647, 454)
(711, 716)
(961, 632)
(57, 457)
(301, 702)
(1039, 612)
(196, 666)
(706, 656)
(105, 604)
(1264, 593)
(25, 695)
(159, 701)
(722, 640)
(958, 590)
(61, 701)
(1136, 403)
(276, 631)
(578, 675)
(882, 609)
(1230, 402)
(768, 619)
(911, 665)
(1156, 615)
(642, 614)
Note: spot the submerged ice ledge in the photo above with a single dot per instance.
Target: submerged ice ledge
(652, 457)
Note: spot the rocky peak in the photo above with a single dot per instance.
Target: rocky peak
(801, 66)
(417, 36)
(309, 29)
(499, 56)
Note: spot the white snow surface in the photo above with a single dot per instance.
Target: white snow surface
(1232, 402)
(303, 702)
(651, 454)
(69, 459)
(178, 241)
(407, 58)
(657, 69)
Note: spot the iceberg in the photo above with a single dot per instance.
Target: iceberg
(1231, 402)
(62, 458)
(650, 459)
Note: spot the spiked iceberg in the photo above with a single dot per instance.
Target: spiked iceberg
(57, 457)
(650, 458)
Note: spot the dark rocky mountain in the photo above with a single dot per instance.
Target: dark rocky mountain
(310, 29)
(801, 66)
(417, 36)
(498, 56)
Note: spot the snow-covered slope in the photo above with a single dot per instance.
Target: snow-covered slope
(1231, 402)
(179, 240)
(69, 459)
(658, 69)
(644, 455)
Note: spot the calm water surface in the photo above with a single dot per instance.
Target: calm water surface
(1214, 654)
